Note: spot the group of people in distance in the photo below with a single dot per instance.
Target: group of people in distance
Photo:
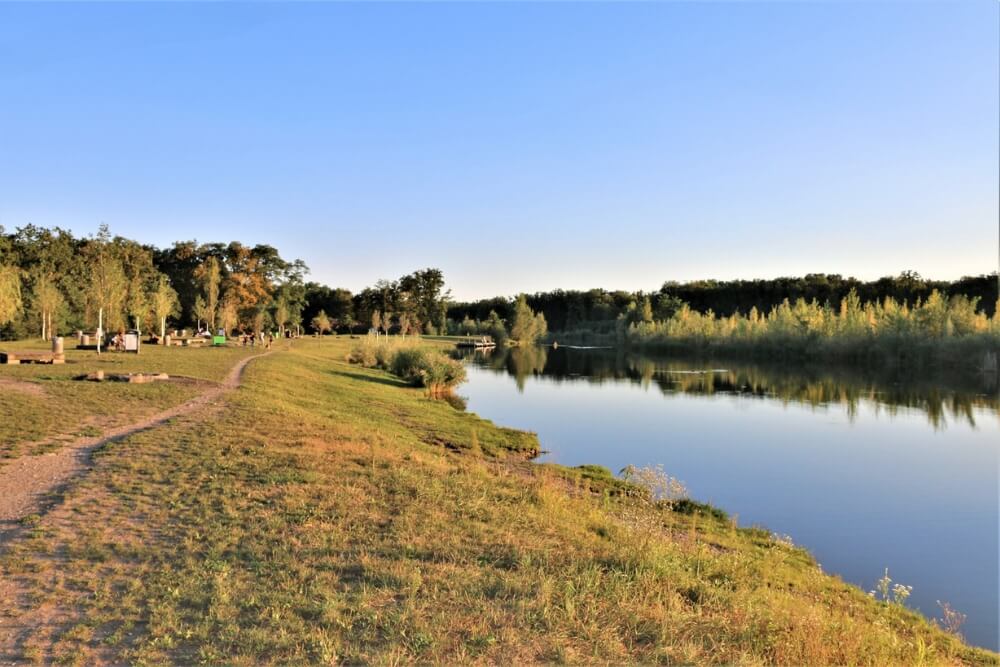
(118, 341)
(251, 339)
(246, 339)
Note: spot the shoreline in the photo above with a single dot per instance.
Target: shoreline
(579, 468)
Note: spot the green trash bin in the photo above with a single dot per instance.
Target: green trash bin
(218, 340)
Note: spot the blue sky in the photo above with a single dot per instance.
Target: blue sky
(518, 147)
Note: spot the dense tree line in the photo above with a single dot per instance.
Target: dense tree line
(52, 282)
(415, 303)
(599, 310)
(938, 328)
(739, 296)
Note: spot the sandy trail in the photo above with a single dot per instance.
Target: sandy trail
(26, 483)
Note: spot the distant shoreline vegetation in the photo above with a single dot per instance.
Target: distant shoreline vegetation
(52, 283)
(941, 327)
(938, 330)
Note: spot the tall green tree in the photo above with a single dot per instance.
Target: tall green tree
(201, 311)
(281, 314)
(108, 284)
(164, 303)
(10, 293)
(209, 274)
(47, 299)
(140, 279)
(494, 327)
(646, 310)
(405, 323)
(321, 323)
(229, 315)
(526, 326)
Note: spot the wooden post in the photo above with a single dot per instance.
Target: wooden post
(100, 326)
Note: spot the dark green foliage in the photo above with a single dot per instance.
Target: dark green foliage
(688, 506)
(336, 302)
(595, 479)
(936, 331)
(67, 280)
(526, 326)
(596, 310)
(423, 367)
(595, 471)
(416, 303)
(250, 287)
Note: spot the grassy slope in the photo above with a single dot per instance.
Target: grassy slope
(319, 517)
(61, 408)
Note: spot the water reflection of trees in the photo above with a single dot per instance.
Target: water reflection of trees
(888, 391)
(524, 361)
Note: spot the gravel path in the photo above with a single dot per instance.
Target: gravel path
(26, 483)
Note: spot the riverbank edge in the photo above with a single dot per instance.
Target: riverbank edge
(605, 486)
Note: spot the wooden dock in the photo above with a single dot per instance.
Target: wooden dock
(25, 357)
(484, 343)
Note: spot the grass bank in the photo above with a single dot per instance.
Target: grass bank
(329, 512)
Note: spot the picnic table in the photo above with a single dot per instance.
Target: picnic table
(32, 357)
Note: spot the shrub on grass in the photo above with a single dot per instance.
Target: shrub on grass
(363, 355)
(372, 352)
(426, 368)
(688, 506)
(419, 366)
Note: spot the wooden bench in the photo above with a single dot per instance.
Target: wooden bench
(14, 358)
(197, 341)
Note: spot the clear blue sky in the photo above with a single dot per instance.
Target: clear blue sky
(518, 147)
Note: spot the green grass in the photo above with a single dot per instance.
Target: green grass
(43, 405)
(330, 513)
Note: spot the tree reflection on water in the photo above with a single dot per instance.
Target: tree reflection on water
(938, 395)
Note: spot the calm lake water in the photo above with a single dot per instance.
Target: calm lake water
(865, 471)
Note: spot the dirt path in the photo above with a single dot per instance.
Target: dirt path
(26, 483)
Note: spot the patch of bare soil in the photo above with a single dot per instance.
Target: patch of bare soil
(29, 388)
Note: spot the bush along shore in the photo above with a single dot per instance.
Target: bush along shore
(334, 512)
(418, 365)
